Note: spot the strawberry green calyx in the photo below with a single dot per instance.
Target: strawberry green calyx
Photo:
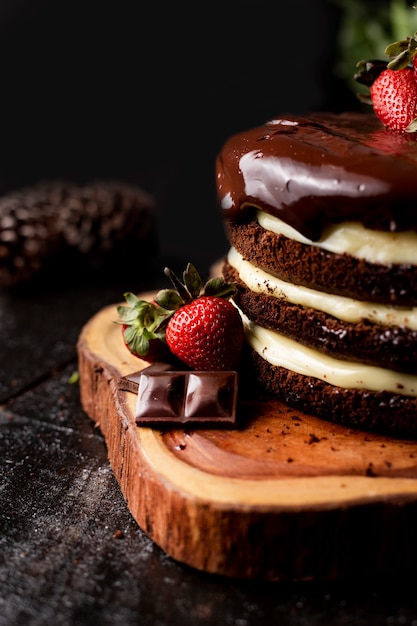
(191, 288)
(142, 322)
(402, 53)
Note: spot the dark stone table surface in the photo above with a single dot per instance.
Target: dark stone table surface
(71, 553)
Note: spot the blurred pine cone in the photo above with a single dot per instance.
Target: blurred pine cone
(70, 227)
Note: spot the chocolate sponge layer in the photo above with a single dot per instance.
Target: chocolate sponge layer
(313, 267)
(392, 348)
(382, 412)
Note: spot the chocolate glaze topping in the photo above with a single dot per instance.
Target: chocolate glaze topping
(321, 169)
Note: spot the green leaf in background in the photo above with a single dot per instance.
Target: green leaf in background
(366, 29)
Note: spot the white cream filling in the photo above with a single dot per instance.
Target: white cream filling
(346, 309)
(347, 238)
(354, 239)
(284, 352)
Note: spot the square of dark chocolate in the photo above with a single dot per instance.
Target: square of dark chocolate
(211, 395)
(161, 394)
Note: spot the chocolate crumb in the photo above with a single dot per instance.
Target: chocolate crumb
(369, 470)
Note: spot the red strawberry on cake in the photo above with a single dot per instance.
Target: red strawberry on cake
(393, 86)
(394, 98)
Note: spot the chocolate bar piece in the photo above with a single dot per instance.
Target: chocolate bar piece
(186, 397)
(168, 396)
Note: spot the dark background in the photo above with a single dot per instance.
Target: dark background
(148, 93)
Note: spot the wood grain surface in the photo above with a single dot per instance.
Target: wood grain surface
(283, 496)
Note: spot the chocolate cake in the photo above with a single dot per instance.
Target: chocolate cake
(321, 215)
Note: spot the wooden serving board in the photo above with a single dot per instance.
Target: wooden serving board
(283, 496)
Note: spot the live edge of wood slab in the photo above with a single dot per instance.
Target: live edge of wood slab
(283, 496)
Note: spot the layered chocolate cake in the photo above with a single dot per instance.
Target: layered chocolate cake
(321, 215)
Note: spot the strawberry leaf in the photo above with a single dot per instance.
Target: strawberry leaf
(218, 287)
(182, 290)
(192, 281)
(169, 299)
(396, 48)
(132, 299)
(127, 313)
(399, 62)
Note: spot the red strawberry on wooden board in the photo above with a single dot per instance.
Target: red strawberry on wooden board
(393, 85)
(205, 330)
(197, 323)
(206, 334)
